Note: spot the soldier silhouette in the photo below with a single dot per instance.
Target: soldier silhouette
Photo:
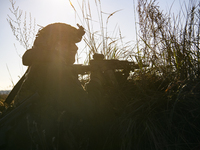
(64, 116)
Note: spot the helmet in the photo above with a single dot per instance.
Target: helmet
(52, 33)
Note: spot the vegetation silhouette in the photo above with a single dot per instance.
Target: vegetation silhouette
(158, 106)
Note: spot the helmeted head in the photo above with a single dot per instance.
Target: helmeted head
(59, 38)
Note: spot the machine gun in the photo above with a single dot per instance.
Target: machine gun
(98, 61)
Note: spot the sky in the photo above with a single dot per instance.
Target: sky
(51, 11)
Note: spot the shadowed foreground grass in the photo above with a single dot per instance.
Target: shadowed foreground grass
(156, 118)
(152, 114)
(2, 99)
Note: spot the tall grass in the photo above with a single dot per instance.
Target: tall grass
(23, 27)
(98, 38)
(162, 112)
(170, 43)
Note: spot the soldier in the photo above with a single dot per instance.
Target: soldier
(65, 116)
